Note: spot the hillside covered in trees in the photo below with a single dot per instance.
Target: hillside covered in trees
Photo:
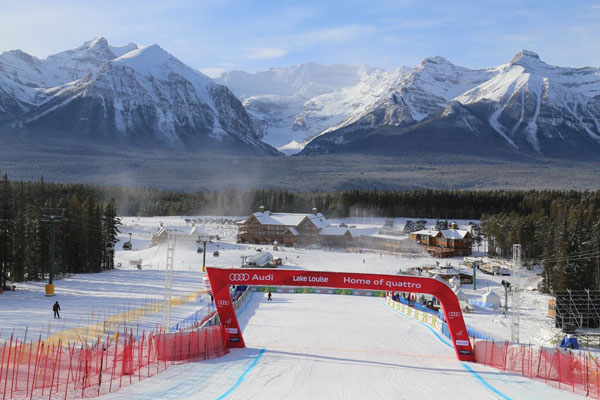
(559, 229)
(80, 237)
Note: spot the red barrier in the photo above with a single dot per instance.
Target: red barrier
(220, 279)
(574, 371)
(35, 370)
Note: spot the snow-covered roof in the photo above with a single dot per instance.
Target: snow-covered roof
(318, 220)
(439, 278)
(426, 232)
(293, 231)
(490, 295)
(454, 233)
(460, 294)
(390, 237)
(195, 231)
(333, 230)
(288, 219)
(356, 232)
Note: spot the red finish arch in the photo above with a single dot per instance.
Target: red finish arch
(221, 278)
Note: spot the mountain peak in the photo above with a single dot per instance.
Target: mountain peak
(150, 55)
(98, 42)
(527, 58)
(436, 60)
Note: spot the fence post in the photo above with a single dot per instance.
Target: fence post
(71, 352)
(53, 373)
(557, 352)
(28, 368)
(7, 366)
(114, 364)
(15, 366)
(571, 369)
(540, 362)
(2, 362)
(522, 360)
(35, 368)
(45, 369)
(149, 344)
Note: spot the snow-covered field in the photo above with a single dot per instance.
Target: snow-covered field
(336, 347)
(299, 345)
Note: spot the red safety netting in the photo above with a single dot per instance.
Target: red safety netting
(577, 371)
(37, 370)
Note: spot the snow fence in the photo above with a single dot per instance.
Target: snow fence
(121, 321)
(317, 290)
(578, 372)
(44, 370)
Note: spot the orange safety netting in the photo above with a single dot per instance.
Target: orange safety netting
(36, 369)
(565, 369)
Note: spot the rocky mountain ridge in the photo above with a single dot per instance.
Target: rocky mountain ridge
(131, 94)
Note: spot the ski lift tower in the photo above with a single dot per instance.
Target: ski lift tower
(52, 215)
(171, 242)
(204, 239)
(515, 284)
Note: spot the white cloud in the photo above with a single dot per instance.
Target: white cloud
(266, 52)
(335, 35)
(212, 72)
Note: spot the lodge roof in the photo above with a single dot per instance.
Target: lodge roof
(288, 219)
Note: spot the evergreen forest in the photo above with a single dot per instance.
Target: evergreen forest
(559, 229)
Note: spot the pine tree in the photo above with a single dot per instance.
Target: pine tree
(110, 230)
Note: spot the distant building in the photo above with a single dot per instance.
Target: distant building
(445, 243)
(160, 236)
(285, 228)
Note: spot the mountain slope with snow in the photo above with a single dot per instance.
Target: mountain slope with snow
(521, 108)
(293, 104)
(138, 95)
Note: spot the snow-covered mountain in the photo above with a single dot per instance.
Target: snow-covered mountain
(293, 104)
(523, 107)
(141, 95)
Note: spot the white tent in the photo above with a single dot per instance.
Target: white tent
(492, 298)
(461, 295)
(439, 278)
(455, 282)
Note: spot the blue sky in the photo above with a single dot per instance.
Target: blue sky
(214, 35)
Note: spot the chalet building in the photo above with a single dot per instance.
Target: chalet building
(445, 243)
(387, 240)
(335, 236)
(285, 228)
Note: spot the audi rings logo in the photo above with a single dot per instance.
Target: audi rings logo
(239, 277)
(453, 314)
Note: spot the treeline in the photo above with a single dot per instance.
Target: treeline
(560, 230)
(455, 204)
(83, 226)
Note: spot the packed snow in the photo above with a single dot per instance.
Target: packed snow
(298, 345)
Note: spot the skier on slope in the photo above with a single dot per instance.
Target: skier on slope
(269, 296)
(56, 309)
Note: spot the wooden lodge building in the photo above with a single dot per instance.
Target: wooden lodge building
(445, 243)
(285, 228)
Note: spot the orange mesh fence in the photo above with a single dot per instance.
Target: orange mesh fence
(575, 371)
(39, 370)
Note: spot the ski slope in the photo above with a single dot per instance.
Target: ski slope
(314, 346)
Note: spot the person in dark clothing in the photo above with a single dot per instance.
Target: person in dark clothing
(269, 296)
(56, 309)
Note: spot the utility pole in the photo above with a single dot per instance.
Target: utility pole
(515, 320)
(52, 215)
